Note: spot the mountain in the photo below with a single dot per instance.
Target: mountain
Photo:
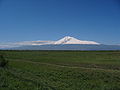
(66, 43)
(72, 40)
(65, 40)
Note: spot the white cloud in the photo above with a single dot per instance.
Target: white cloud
(17, 44)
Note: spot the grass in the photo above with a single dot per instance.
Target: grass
(61, 70)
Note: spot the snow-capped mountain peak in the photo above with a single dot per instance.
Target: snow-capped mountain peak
(65, 40)
(72, 40)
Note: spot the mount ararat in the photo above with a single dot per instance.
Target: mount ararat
(66, 43)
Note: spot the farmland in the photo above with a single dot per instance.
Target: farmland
(61, 70)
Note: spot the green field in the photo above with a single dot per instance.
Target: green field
(61, 70)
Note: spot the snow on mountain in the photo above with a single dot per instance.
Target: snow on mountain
(72, 40)
(65, 40)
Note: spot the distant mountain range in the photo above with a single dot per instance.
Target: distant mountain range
(66, 43)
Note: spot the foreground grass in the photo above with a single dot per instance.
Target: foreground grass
(61, 70)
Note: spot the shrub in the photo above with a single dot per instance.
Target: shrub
(3, 61)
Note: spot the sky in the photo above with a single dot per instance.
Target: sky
(30, 20)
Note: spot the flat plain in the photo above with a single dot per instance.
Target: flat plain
(61, 70)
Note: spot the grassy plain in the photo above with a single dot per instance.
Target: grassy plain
(61, 70)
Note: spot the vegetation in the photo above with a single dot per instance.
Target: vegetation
(61, 70)
(3, 62)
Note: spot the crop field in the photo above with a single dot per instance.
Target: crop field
(61, 70)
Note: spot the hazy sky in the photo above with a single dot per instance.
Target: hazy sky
(24, 20)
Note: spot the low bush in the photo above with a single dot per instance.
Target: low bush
(3, 61)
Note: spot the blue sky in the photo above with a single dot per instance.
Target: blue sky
(27, 20)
